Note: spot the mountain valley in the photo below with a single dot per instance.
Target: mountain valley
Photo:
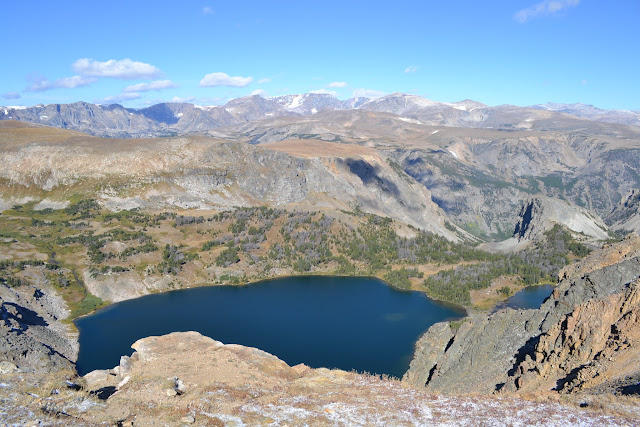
(464, 202)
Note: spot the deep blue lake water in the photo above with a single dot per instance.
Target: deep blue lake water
(529, 297)
(334, 322)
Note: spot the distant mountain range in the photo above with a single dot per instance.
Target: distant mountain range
(625, 117)
(167, 119)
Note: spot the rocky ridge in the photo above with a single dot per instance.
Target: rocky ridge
(540, 214)
(204, 173)
(550, 347)
(179, 118)
(594, 345)
(594, 113)
(466, 169)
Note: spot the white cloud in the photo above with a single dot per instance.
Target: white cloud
(325, 92)
(367, 93)
(119, 98)
(544, 8)
(207, 10)
(411, 69)
(264, 80)
(74, 81)
(40, 84)
(117, 69)
(337, 84)
(146, 87)
(11, 95)
(583, 82)
(260, 92)
(223, 79)
(185, 99)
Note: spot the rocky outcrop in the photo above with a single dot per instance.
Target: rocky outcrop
(543, 347)
(626, 215)
(539, 214)
(32, 335)
(596, 343)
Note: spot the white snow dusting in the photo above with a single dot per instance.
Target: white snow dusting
(207, 107)
(408, 120)
(296, 101)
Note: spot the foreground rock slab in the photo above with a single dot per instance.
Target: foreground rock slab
(236, 385)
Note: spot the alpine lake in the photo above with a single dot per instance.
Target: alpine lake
(350, 323)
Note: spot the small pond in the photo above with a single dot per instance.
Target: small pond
(336, 322)
(529, 297)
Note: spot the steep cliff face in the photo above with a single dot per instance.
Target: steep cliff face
(539, 214)
(626, 215)
(553, 347)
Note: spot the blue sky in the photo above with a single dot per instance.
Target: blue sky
(137, 53)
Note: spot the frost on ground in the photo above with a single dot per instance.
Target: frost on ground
(390, 402)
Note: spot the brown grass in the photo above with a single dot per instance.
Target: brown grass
(317, 148)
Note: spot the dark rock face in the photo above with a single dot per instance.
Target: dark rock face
(511, 348)
(524, 224)
(34, 340)
(539, 214)
(626, 215)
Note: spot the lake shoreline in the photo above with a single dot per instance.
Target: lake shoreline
(469, 310)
